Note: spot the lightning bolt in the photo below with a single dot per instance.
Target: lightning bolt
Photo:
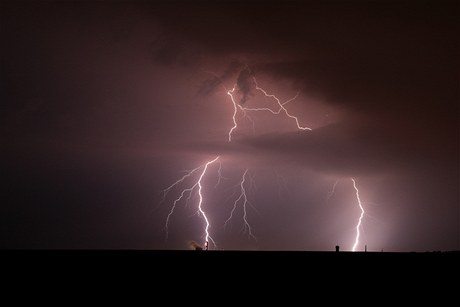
(237, 106)
(281, 105)
(360, 217)
(196, 186)
(219, 175)
(200, 209)
(168, 189)
(242, 196)
(242, 199)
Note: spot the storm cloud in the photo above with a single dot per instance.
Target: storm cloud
(104, 105)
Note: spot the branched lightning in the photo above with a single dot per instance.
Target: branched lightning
(360, 217)
(190, 190)
(168, 189)
(242, 198)
(281, 105)
(200, 209)
(219, 175)
(240, 110)
(237, 106)
(245, 202)
(235, 111)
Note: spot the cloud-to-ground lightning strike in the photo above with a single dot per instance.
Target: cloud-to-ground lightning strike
(360, 217)
(190, 191)
(208, 237)
(243, 196)
(357, 227)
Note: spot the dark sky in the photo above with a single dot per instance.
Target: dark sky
(105, 104)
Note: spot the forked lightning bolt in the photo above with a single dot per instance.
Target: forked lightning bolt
(219, 175)
(208, 237)
(244, 198)
(237, 106)
(235, 112)
(281, 106)
(188, 190)
(196, 185)
(360, 217)
(358, 199)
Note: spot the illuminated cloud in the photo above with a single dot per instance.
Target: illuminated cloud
(104, 105)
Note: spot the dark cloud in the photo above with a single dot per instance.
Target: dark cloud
(210, 84)
(390, 87)
(170, 51)
(245, 83)
(165, 51)
(376, 58)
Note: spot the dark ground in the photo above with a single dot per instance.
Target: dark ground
(222, 261)
(207, 276)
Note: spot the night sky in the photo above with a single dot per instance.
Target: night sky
(106, 104)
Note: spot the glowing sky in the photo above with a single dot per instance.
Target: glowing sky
(104, 105)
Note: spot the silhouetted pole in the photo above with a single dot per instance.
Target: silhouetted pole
(365, 248)
(206, 245)
(337, 248)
